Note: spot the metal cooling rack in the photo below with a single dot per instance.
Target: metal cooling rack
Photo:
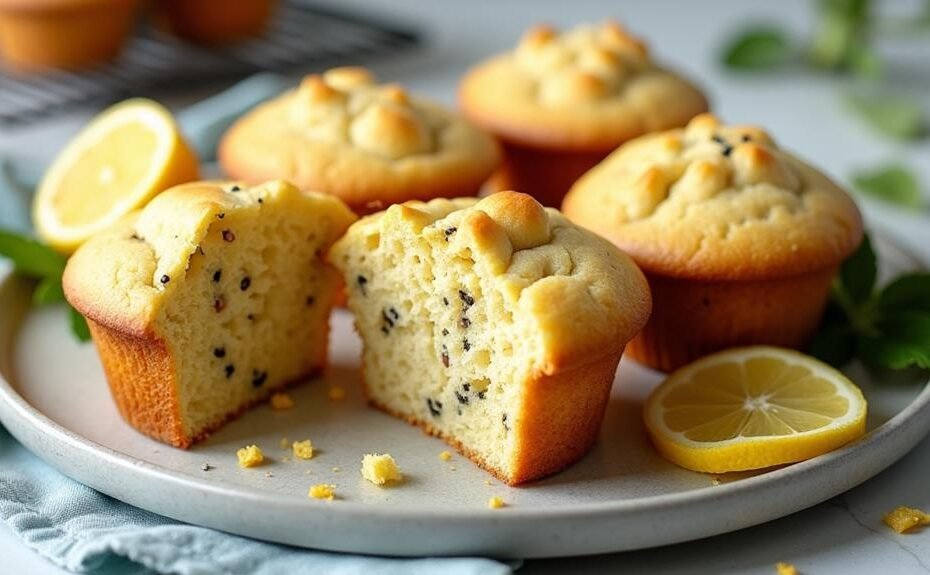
(300, 36)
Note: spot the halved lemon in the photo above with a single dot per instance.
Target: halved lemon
(123, 158)
(753, 407)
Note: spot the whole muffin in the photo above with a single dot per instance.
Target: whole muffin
(496, 325)
(371, 145)
(37, 35)
(561, 102)
(739, 239)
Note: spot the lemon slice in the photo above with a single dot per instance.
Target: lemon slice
(123, 158)
(753, 407)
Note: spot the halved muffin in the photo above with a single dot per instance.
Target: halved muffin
(496, 325)
(208, 300)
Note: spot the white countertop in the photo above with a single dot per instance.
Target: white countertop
(805, 113)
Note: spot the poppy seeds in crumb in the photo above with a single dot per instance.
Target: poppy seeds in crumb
(230, 369)
(228, 236)
(245, 283)
(165, 279)
(217, 275)
(219, 352)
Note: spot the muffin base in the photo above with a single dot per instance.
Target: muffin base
(213, 21)
(140, 373)
(547, 175)
(693, 318)
(560, 419)
(66, 36)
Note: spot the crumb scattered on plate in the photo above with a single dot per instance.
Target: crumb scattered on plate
(325, 491)
(379, 469)
(496, 503)
(904, 519)
(336, 393)
(206, 467)
(250, 456)
(445, 455)
(782, 568)
(303, 449)
(269, 474)
(337, 469)
(281, 401)
(284, 443)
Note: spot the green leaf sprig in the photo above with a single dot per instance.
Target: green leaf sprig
(33, 259)
(885, 328)
(893, 183)
(842, 43)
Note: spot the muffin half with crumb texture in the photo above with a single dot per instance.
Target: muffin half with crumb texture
(208, 300)
(494, 324)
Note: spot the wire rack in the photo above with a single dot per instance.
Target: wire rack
(301, 35)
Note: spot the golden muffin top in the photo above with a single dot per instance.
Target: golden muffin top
(712, 201)
(581, 294)
(121, 277)
(370, 144)
(588, 88)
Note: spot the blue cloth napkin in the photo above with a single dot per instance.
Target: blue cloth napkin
(82, 530)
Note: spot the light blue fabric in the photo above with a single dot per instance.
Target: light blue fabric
(85, 531)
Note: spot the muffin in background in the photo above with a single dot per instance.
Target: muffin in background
(560, 102)
(214, 21)
(38, 35)
(370, 144)
(738, 238)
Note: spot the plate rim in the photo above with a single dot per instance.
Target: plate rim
(27, 423)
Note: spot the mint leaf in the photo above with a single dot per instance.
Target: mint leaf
(758, 49)
(865, 62)
(894, 116)
(894, 183)
(857, 275)
(905, 342)
(79, 325)
(906, 293)
(31, 258)
(48, 291)
(834, 344)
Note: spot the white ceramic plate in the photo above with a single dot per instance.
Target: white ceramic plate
(622, 496)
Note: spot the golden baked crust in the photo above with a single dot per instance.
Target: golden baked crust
(496, 325)
(150, 295)
(371, 145)
(584, 295)
(715, 202)
(588, 88)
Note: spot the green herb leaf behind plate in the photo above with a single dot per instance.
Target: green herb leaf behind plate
(894, 183)
(761, 48)
(894, 116)
(31, 258)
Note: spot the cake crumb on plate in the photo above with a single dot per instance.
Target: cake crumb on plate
(281, 401)
(379, 469)
(303, 449)
(904, 519)
(496, 503)
(782, 568)
(325, 491)
(250, 456)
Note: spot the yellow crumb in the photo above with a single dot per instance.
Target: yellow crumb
(379, 469)
(337, 469)
(904, 519)
(496, 503)
(284, 443)
(281, 401)
(452, 468)
(782, 568)
(250, 456)
(323, 491)
(445, 455)
(488, 482)
(714, 481)
(336, 393)
(303, 449)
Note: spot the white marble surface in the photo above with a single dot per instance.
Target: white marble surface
(805, 113)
